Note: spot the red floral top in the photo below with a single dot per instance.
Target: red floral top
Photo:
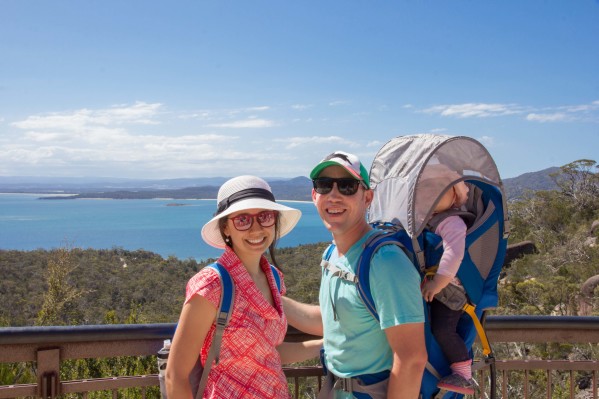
(249, 365)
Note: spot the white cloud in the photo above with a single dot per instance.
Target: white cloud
(142, 140)
(474, 110)
(487, 141)
(566, 113)
(42, 137)
(139, 113)
(201, 115)
(555, 117)
(593, 106)
(301, 107)
(546, 114)
(102, 142)
(245, 124)
(73, 121)
(294, 142)
(222, 114)
(338, 102)
(375, 143)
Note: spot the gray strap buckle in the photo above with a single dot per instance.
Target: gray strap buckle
(345, 384)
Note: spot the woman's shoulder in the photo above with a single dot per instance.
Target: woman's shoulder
(206, 273)
(205, 282)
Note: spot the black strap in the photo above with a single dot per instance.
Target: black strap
(244, 194)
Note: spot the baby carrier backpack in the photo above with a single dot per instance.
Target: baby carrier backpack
(198, 377)
(407, 220)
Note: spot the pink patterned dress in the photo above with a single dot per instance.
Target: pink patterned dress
(249, 366)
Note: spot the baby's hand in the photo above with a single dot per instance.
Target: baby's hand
(432, 286)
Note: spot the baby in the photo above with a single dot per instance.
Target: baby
(452, 230)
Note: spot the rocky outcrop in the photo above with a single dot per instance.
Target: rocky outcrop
(518, 250)
(587, 295)
(594, 228)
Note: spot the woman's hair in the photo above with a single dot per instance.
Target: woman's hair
(222, 222)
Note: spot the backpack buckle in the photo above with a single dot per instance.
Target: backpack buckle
(221, 319)
(344, 384)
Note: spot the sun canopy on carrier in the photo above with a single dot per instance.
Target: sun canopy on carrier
(397, 173)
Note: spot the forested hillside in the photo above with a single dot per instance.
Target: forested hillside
(561, 278)
(76, 286)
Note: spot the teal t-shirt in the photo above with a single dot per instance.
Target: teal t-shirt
(354, 342)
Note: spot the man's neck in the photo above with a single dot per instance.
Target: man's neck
(346, 240)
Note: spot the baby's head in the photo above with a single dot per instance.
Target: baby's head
(434, 179)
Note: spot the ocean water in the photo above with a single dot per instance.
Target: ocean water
(28, 223)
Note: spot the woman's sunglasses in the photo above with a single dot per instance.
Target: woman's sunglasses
(244, 221)
(346, 185)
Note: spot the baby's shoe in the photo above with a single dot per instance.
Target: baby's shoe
(457, 383)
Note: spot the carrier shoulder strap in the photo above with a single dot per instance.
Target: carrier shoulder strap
(223, 315)
(372, 245)
(336, 272)
(436, 220)
(362, 277)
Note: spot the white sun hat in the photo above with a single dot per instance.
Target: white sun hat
(246, 192)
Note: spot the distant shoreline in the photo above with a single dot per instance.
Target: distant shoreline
(58, 196)
(38, 194)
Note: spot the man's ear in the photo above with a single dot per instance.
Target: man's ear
(368, 197)
(313, 195)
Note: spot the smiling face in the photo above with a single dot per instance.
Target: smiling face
(343, 215)
(252, 242)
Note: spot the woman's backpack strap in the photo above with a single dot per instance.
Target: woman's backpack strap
(223, 315)
(275, 274)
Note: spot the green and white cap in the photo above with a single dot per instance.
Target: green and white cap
(349, 162)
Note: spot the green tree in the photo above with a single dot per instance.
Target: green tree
(579, 183)
(60, 300)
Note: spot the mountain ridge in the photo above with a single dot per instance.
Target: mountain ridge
(297, 188)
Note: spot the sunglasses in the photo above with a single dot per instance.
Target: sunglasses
(244, 221)
(346, 185)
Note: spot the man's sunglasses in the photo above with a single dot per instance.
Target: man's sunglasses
(244, 221)
(346, 185)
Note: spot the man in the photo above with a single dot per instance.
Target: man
(363, 356)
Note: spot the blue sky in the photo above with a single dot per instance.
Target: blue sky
(165, 89)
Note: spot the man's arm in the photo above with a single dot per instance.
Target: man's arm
(293, 352)
(304, 317)
(409, 359)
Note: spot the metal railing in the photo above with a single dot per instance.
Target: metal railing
(49, 347)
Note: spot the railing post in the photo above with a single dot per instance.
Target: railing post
(48, 373)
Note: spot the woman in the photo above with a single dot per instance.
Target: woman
(247, 222)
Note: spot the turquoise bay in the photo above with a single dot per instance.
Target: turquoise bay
(28, 223)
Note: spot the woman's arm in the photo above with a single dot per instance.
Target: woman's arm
(195, 321)
(304, 317)
(293, 352)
